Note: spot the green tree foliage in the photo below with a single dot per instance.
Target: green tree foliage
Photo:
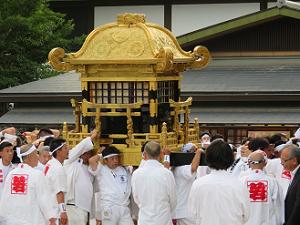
(28, 31)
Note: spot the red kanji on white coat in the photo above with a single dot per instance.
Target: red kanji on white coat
(1, 176)
(19, 184)
(286, 174)
(46, 169)
(258, 190)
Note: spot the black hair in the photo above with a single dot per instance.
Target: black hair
(217, 136)
(245, 139)
(219, 155)
(48, 141)
(258, 143)
(280, 142)
(5, 144)
(204, 133)
(274, 138)
(110, 150)
(55, 143)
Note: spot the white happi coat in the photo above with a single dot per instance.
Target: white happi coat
(265, 197)
(184, 179)
(218, 199)
(79, 179)
(56, 180)
(25, 199)
(154, 191)
(4, 171)
(114, 193)
(275, 169)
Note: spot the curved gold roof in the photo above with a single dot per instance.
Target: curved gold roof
(130, 40)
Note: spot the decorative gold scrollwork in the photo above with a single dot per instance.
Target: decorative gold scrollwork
(131, 18)
(166, 60)
(202, 56)
(55, 57)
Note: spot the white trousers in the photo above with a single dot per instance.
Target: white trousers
(76, 216)
(116, 215)
(185, 221)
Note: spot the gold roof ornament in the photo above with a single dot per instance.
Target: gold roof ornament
(132, 41)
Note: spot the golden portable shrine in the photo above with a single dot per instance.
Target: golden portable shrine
(130, 80)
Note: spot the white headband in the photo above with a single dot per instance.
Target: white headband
(279, 148)
(4, 140)
(20, 155)
(111, 155)
(51, 153)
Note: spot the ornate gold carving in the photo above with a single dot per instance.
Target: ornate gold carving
(55, 57)
(129, 141)
(136, 48)
(65, 131)
(197, 129)
(121, 35)
(131, 18)
(130, 50)
(166, 60)
(164, 135)
(201, 56)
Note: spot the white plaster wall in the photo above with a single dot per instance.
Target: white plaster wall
(108, 14)
(187, 18)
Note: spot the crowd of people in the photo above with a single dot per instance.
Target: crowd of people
(43, 181)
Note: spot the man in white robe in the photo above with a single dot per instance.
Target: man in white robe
(275, 169)
(6, 154)
(25, 195)
(114, 183)
(184, 178)
(219, 198)
(79, 182)
(154, 189)
(57, 178)
(265, 194)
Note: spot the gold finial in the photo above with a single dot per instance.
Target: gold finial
(131, 18)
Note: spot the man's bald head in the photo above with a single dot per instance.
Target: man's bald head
(153, 150)
(257, 159)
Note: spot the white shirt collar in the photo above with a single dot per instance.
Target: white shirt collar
(152, 162)
(218, 172)
(1, 163)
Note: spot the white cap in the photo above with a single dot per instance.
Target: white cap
(187, 147)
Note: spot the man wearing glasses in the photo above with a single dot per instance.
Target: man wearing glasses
(290, 159)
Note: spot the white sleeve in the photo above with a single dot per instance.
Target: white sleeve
(186, 172)
(192, 201)
(98, 206)
(279, 203)
(60, 180)
(172, 191)
(133, 188)
(78, 150)
(43, 193)
(97, 171)
(245, 202)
